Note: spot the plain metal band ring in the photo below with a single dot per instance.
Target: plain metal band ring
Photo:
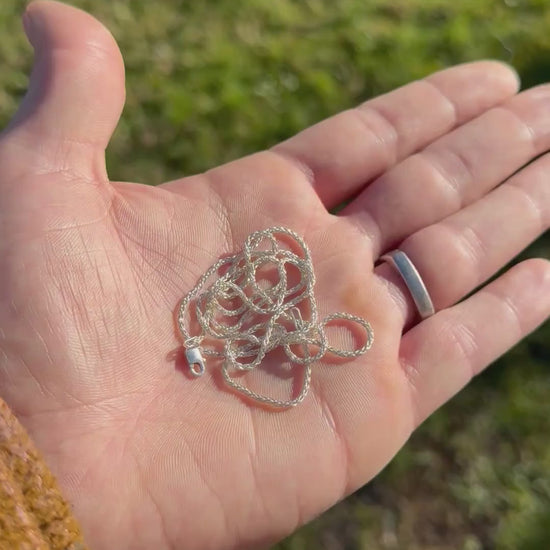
(401, 262)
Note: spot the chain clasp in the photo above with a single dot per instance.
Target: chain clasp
(196, 361)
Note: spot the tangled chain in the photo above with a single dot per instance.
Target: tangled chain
(252, 320)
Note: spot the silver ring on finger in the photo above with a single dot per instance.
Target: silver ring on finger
(408, 272)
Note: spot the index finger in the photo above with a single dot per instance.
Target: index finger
(341, 154)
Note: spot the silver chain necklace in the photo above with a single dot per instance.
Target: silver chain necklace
(250, 319)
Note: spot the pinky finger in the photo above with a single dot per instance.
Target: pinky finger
(443, 353)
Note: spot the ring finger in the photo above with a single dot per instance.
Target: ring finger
(462, 251)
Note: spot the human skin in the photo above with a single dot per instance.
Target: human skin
(92, 272)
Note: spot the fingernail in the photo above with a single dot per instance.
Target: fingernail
(32, 23)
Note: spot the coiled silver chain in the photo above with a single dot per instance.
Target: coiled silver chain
(251, 319)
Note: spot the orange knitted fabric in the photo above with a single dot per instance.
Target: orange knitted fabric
(33, 514)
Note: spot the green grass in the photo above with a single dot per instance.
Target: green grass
(210, 81)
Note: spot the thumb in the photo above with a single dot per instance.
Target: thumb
(76, 89)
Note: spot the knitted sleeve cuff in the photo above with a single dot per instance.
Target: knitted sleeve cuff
(33, 513)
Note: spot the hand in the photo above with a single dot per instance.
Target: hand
(93, 271)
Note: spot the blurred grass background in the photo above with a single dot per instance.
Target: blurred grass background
(210, 81)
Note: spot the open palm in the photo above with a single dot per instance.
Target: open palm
(92, 272)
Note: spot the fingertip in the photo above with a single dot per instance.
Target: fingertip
(480, 84)
(64, 26)
(503, 73)
(529, 283)
(29, 27)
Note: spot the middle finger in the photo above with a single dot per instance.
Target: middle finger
(453, 171)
